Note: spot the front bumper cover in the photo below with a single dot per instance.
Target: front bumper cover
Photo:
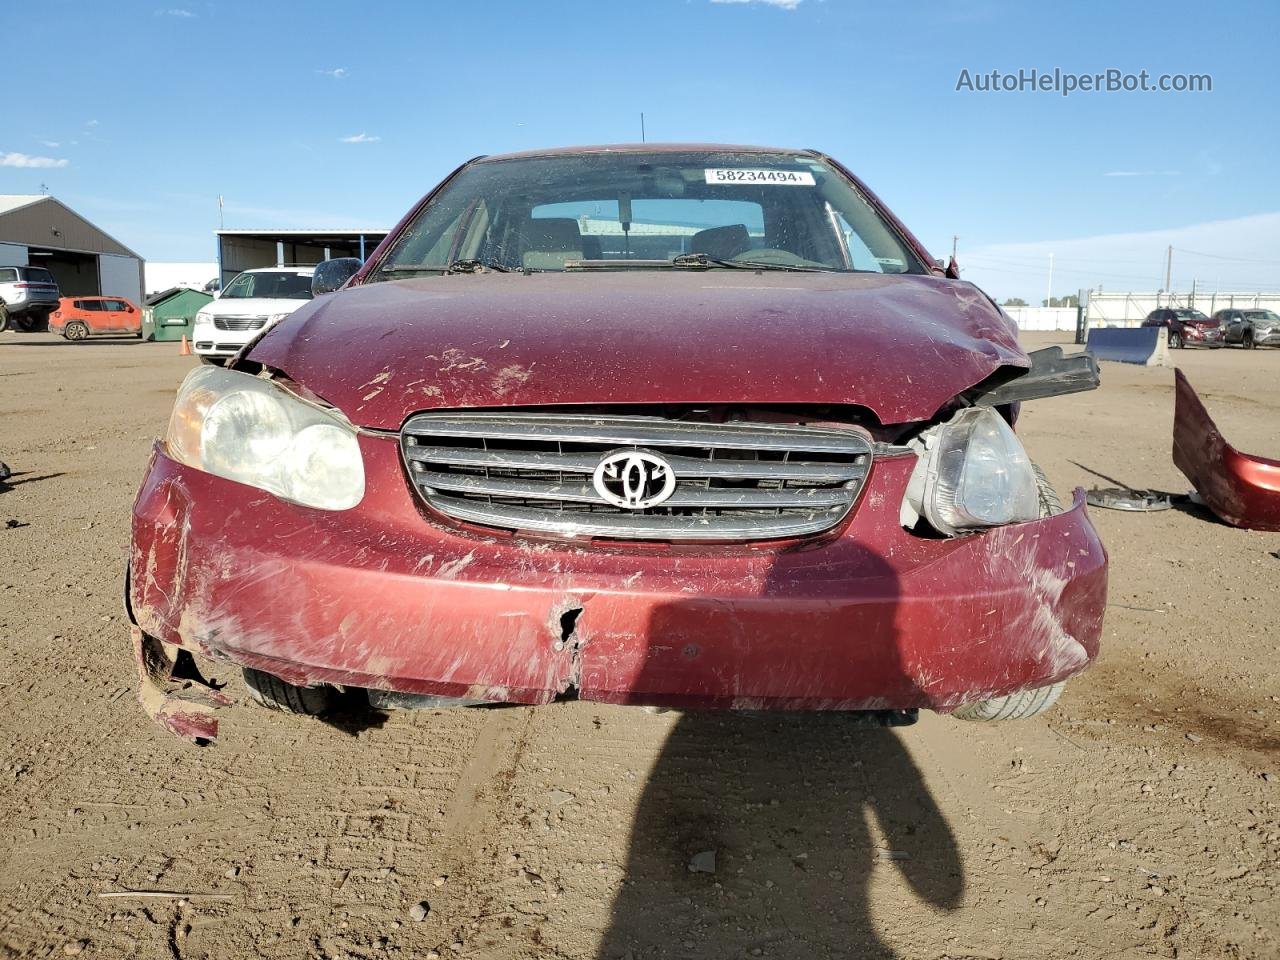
(385, 596)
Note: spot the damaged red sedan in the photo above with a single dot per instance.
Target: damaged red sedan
(683, 426)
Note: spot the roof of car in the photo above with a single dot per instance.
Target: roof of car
(284, 268)
(643, 148)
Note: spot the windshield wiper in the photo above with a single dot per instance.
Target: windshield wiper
(693, 261)
(696, 260)
(457, 266)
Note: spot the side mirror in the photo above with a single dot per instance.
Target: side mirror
(330, 275)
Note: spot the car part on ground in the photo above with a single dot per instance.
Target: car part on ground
(1240, 488)
(1124, 498)
(667, 479)
(1141, 345)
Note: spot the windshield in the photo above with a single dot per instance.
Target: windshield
(272, 285)
(36, 275)
(1267, 315)
(630, 210)
(1189, 315)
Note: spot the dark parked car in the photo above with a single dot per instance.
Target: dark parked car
(683, 426)
(1250, 328)
(1186, 327)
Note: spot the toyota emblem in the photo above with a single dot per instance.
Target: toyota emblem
(634, 479)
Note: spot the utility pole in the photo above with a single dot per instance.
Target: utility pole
(220, 225)
(1168, 267)
(642, 140)
(1049, 293)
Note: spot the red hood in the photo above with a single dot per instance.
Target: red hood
(900, 346)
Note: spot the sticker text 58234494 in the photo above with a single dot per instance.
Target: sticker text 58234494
(782, 178)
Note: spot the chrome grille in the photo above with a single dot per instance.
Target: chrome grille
(239, 323)
(735, 481)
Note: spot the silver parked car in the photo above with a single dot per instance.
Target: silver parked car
(1250, 328)
(27, 296)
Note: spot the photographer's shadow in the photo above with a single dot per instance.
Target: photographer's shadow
(786, 801)
(801, 809)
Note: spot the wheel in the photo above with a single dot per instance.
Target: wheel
(1016, 706)
(4, 318)
(274, 694)
(1175, 340)
(76, 330)
(1021, 703)
(1247, 340)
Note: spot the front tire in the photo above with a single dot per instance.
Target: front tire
(1021, 703)
(1247, 340)
(1175, 341)
(76, 331)
(4, 318)
(274, 694)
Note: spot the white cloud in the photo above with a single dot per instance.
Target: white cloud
(1141, 173)
(1229, 255)
(338, 73)
(175, 12)
(91, 123)
(780, 4)
(27, 160)
(51, 144)
(361, 137)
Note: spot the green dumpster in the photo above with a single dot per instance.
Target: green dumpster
(170, 314)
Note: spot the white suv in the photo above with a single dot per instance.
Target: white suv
(27, 296)
(253, 301)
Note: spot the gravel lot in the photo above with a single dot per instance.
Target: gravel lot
(1138, 819)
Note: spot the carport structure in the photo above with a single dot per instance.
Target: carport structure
(245, 249)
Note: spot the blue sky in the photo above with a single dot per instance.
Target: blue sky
(342, 114)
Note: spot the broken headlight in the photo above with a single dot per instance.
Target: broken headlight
(973, 472)
(250, 430)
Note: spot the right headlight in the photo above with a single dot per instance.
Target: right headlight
(973, 473)
(244, 428)
(202, 317)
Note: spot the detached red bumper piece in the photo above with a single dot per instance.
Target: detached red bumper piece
(1242, 489)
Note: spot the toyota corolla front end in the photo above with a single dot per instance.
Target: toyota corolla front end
(675, 426)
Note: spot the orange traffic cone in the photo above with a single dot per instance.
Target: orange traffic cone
(185, 349)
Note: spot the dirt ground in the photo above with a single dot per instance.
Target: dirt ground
(1137, 819)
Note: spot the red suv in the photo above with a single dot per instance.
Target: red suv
(1187, 327)
(684, 426)
(78, 318)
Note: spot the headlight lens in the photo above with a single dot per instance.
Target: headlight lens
(275, 318)
(973, 473)
(247, 429)
(202, 317)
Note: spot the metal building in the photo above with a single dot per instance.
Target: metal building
(40, 231)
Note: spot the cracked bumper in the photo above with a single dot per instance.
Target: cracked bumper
(384, 596)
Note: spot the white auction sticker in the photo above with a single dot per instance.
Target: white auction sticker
(792, 178)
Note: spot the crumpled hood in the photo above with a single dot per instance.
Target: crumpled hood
(901, 346)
